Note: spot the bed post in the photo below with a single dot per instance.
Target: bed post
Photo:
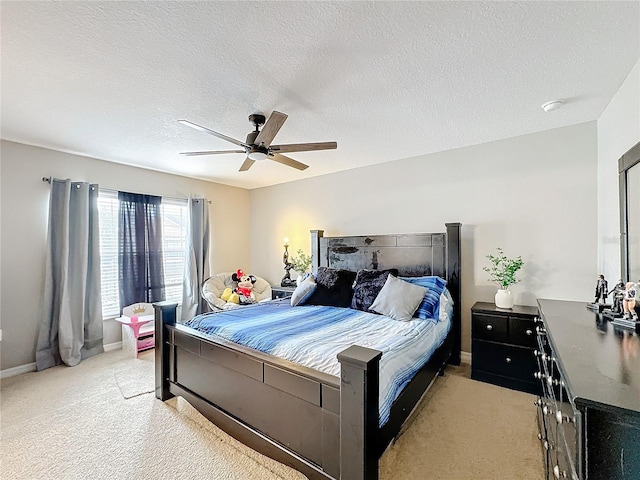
(359, 414)
(454, 285)
(165, 313)
(315, 249)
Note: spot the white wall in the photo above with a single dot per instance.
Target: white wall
(618, 131)
(533, 195)
(25, 200)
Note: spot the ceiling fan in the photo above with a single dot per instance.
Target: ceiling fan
(258, 146)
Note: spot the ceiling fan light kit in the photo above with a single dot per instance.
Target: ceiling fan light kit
(258, 146)
(552, 105)
(257, 155)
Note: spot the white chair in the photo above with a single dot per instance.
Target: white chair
(214, 286)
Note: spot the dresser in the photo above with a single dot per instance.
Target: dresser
(589, 413)
(503, 342)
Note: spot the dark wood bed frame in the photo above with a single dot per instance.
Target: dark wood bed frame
(325, 427)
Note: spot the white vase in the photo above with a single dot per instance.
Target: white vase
(504, 299)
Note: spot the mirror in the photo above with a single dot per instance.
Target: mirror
(629, 174)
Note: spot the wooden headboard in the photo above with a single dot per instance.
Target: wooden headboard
(413, 255)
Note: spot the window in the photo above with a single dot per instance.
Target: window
(174, 242)
(108, 218)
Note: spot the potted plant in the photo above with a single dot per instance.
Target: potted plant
(502, 272)
(301, 264)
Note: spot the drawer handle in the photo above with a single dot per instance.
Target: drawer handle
(508, 360)
(562, 418)
(489, 327)
(557, 473)
(529, 332)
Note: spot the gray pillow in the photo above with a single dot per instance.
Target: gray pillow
(398, 299)
(303, 291)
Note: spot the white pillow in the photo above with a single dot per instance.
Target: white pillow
(398, 299)
(303, 291)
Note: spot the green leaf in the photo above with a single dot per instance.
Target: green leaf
(502, 270)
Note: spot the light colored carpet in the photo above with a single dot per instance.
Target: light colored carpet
(136, 381)
(97, 420)
(468, 430)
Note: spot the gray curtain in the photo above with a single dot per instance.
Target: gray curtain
(197, 259)
(71, 324)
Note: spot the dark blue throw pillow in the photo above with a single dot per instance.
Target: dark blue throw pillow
(368, 286)
(335, 287)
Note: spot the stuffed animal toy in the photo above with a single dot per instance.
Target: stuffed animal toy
(243, 293)
(245, 287)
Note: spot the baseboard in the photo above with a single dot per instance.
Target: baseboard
(113, 346)
(465, 357)
(20, 369)
(31, 367)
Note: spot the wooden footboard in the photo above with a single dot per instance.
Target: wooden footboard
(289, 412)
(325, 427)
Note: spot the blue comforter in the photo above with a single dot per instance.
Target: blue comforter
(313, 336)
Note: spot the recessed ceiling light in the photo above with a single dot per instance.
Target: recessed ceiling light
(552, 105)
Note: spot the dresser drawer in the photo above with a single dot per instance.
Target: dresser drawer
(489, 327)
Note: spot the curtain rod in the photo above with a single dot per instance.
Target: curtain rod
(48, 180)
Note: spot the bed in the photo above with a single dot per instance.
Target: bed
(325, 425)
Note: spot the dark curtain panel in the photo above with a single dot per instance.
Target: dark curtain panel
(141, 275)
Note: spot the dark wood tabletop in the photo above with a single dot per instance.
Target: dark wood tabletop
(600, 360)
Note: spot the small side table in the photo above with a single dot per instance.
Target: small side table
(138, 333)
(281, 292)
(502, 346)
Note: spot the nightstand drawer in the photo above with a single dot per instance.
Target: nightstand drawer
(509, 361)
(522, 332)
(489, 327)
(281, 292)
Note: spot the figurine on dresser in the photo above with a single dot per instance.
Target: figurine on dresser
(600, 302)
(618, 296)
(601, 290)
(630, 301)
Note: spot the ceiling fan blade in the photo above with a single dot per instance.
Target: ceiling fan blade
(210, 152)
(246, 165)
(211, 132)
(290, 162)
(271, 128)
(303, 147)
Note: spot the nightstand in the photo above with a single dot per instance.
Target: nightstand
(502, 346)
(281, 292)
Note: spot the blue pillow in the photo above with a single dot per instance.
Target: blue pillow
(430, 306)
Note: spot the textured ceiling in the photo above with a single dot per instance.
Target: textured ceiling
(386, 80)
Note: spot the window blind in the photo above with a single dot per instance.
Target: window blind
(174, 241)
